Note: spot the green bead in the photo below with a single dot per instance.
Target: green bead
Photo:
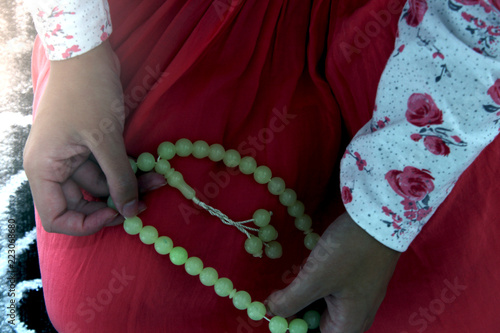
(288, 197)
(274, 250)
(175, 179)
(311, 240)
(298, 326)
(193, 266)
(276, 185)
(303, 223)
(216, 152)
(183, 147)
(261, 217)
(166, 150)
(296, 209)
(133, 165)
(209, 276)
(232, 158)
(248, 165)
(146, 162)
(253, 245)
(256, 310)
(148, 234)
(111, 203)
(242, 300)
(201, 149)
(278, 325)
(163, 245)
(268, 233)
(132, 225)
(178, 255)
(312, 319)
(223, 287)
(262, 174)
(162, 166)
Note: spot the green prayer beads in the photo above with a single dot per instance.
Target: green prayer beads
(193, 266)
(267, 234)
(253, 245)
(223, 287)
(242, 300)
(183, 147)
(209, 276)
(278, 325)
(132, 225)
(163, 245)
(146, 162)
(178, 255)
(312, 318)
(298, 325)
(166, 150)
(148, 234)
(262, 174)
(256, 311)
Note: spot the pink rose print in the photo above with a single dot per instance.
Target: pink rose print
(423, 111)
(69, 52)
(494, 92)
(379, 124)
(415, 14)
(414, 185)
(437, 141)
(346, 195)
(436, 146)
(360, 163)
(411, 183)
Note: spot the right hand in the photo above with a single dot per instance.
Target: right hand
(76, 141)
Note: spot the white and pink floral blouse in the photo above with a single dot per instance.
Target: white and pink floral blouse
(437, 107)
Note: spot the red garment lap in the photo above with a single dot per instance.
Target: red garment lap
(252, 77)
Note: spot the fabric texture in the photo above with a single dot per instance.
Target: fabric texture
(271, 79)
(436, 110)
(70, 28)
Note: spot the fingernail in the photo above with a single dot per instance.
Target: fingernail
(158, 186)
(142, 207)
(130, 209)
(111, 219)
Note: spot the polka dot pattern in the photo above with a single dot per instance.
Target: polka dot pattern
(436, 110)
(70, 28)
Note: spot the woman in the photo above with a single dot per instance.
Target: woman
(287, 83)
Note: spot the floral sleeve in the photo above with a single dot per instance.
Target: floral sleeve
(437, 108)
(70, 28)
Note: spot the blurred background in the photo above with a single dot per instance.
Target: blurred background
(16, 40)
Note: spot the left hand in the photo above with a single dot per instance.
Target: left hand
(350, 270)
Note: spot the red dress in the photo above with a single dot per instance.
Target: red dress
(267, 78)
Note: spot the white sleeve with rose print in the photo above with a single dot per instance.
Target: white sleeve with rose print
(437, 108)
(70, 28)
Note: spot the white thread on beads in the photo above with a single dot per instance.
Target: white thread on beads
(225, 219)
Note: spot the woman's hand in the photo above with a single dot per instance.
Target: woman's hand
(350, 269)
(76, 141)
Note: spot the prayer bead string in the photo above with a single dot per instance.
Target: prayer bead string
(267, 234)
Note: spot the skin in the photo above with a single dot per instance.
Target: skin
(83, 95)
(349, 268)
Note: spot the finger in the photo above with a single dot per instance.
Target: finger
(150, 181)
(300, 293)
(91, 178)
(343, 316)
(72, 215)
(113, 160)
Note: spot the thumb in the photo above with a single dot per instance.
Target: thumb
(304, 290)
(114, 162)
